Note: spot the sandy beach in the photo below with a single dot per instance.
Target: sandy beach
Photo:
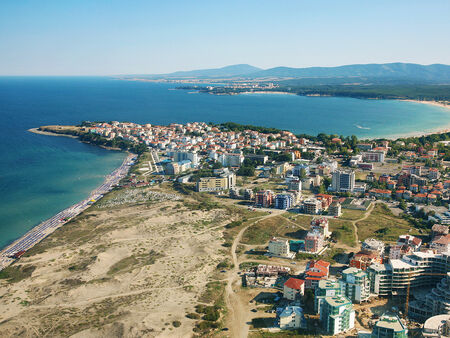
(432, 103)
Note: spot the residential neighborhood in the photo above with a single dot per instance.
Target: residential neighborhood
(370, 220)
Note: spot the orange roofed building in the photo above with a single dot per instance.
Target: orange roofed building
(316, 271)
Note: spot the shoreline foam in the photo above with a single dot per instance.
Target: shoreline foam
(44, 229)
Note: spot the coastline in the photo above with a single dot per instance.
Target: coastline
(49, 133)
(47, 227)
(432, 103)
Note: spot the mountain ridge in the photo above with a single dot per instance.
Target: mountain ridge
(439, 73)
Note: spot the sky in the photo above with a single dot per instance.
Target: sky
(111, 37)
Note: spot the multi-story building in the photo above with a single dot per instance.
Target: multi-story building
(264, 198)
(325, 288)
(362, 260)
(441, 244)
(343, 181)
(231, 160)
(280, 247)
(291, 317)
(293, 288)
(226, 180)
(413, 170)
(212, 184)
(295, 185)
(315, 272)
(390, 326)
(373, 156)
(335, 209)
(433, 174)
(325, 199)
(284, 201)
(321, 224)
(179, 156)
(355, 285)
(312, 206)
(437, 327)
(372, 245)
(436, 302)
(337, 315)
(420, 269)
(314, 241)
(297, 170)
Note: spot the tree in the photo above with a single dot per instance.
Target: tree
(302, 173)
(308, 300)
(217, 165)
(246, 171)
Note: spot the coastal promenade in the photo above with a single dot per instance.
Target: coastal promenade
(44, 229)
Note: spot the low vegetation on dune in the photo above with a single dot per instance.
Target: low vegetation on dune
(384, 225)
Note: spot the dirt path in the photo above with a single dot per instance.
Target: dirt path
(366, 214)
(239, 313)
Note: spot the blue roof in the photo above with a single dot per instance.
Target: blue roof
(289, 310)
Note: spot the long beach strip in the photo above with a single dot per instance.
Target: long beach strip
(44, 229)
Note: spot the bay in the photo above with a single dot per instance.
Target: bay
(40, 175)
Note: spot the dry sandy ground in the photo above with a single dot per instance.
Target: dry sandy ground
(73, 292)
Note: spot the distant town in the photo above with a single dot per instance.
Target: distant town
(371, 220)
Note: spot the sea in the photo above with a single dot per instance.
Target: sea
(41, 175)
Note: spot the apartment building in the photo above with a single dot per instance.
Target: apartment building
(389, 325)
(436, 302)
(295, 185)
(312, 206)
(325, 288)
(226, 181)
(179, 156)
(314, 241)
(343, 181)
(337, 315)
(315, 272)
(420, 269)
(284, 201)
(321, 224)
(280, 247)
(264, 198)
(335, 209)
(373, 156)
(291, 317)
(231, 160)
(293, 288)
(355, 285)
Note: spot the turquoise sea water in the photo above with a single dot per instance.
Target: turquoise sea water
(40, 175)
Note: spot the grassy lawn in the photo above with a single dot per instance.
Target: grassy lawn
(384, 225)
(345, 229)
(351, 215)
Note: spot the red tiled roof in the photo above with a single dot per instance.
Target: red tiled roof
(323, 263)
(316, 274)
(294, 283)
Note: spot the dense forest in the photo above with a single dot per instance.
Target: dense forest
(366, 91)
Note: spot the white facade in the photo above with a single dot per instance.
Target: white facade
(279, 247)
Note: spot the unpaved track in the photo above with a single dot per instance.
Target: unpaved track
(366, 214)
(239, 313)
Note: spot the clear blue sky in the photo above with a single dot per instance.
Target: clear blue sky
(101, 37)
